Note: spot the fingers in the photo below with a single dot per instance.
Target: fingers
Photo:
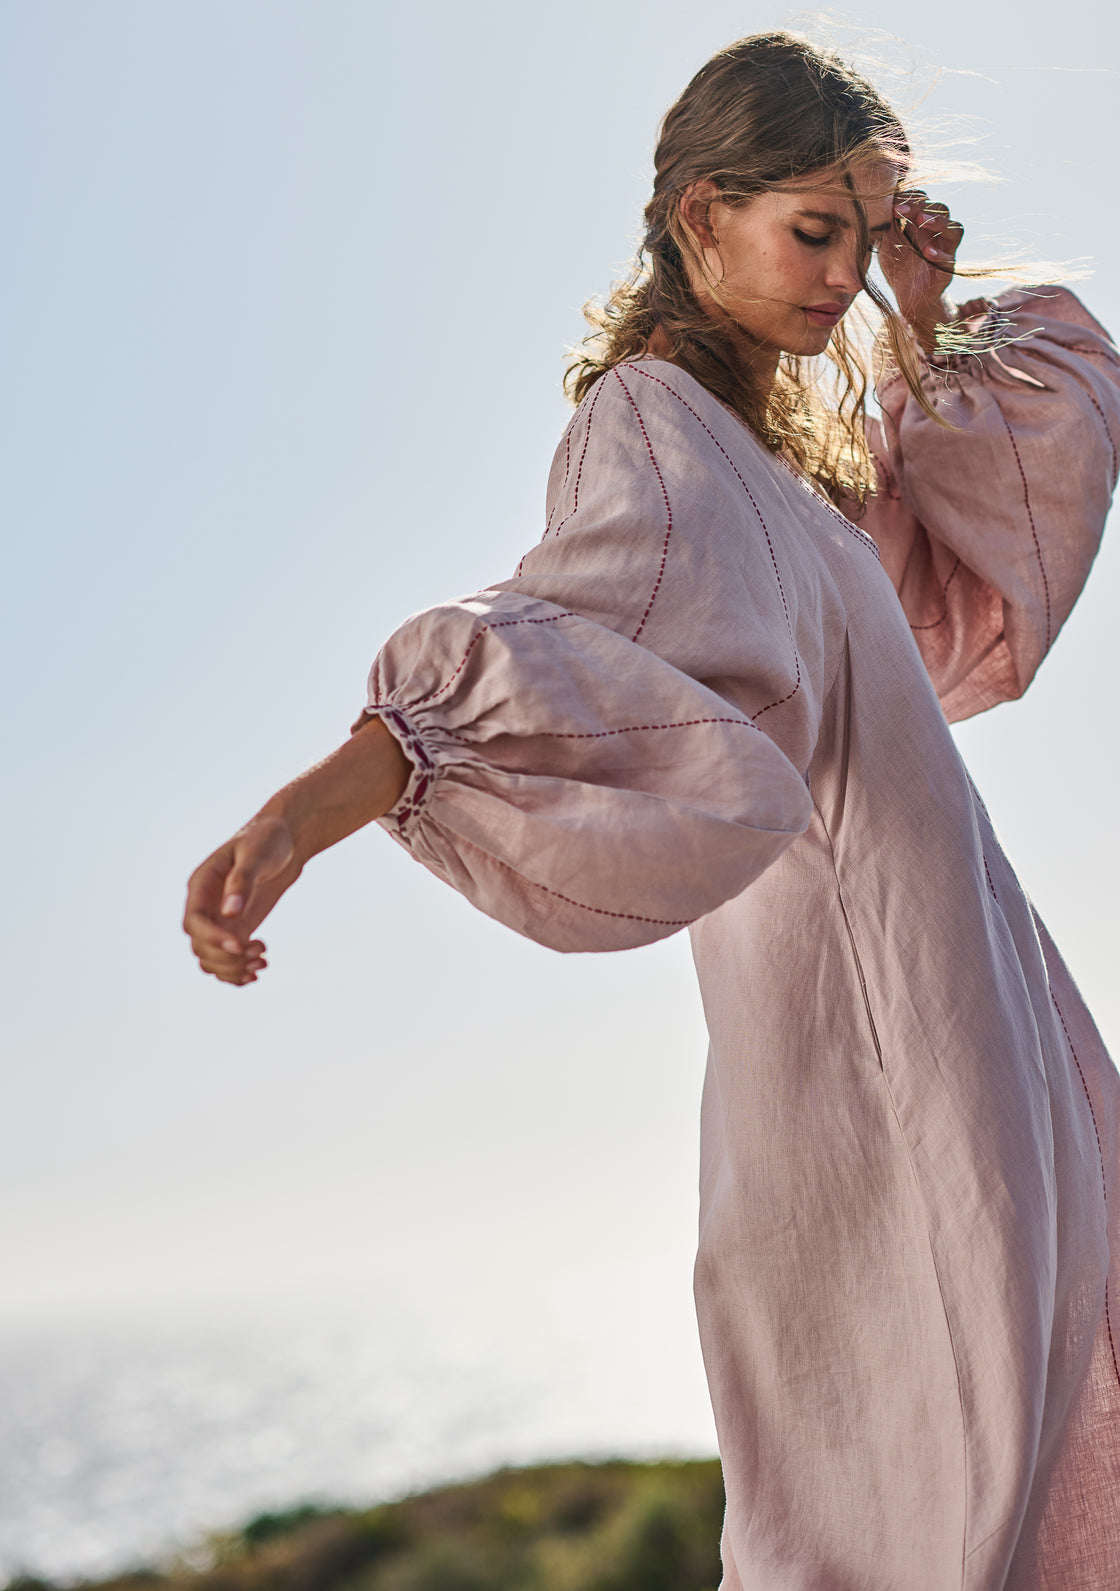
(201, 919)
(223, 949)
(219, 941)
(238, 887)
(239, 969)
(222, 952)
(231, 894)
(928, 228)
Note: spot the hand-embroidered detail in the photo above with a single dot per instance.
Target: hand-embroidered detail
(777, 575)
(1034, 530)
(497, 624)
(953, 572)
(624, 729)
(1107, 429)
(595, 395)
(665, 495)
(600, 911)
(412, 802)
(861, 536)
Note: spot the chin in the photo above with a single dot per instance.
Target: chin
(811, 341)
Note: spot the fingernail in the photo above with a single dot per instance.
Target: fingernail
(232, 905)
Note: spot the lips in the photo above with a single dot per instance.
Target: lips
(825, 314)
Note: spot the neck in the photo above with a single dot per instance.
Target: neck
(762, 362)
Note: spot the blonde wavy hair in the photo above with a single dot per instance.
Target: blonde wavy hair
(765, 111)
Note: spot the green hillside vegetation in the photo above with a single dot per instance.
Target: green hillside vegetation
(559, 1527)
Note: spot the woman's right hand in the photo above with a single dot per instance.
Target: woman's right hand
(234, 890)
(232, 893)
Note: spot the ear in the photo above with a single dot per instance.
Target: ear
(695, 203)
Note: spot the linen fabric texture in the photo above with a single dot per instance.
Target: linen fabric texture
(700, 700)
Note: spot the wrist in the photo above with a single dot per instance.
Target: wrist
(924, 323)
(281, 817)
(355, 785)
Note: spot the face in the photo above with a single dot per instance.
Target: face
(785, 266)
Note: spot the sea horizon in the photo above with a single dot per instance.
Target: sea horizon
(131, 1436)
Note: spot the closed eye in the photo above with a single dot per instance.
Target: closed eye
(814, 241)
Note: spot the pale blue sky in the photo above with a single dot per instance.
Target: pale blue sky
(285, 292)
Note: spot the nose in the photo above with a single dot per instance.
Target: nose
(843, 275)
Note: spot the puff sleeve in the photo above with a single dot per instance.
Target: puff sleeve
(570, 780)
(988, 530)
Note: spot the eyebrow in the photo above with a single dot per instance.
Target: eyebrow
(833, 218)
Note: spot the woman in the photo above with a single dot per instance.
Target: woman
(704, 678)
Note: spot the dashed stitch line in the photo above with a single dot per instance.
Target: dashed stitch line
(567, 472)
(991, 886)
(1107, 430)
(630, 729)
(1096, 353)
(781, 589)
(865, 540)
(1030, 517)
(600, 911)
(499, 624)
(583, 455)
(665, 495)
(944, 600)
(627, 729)
(1100, 1153)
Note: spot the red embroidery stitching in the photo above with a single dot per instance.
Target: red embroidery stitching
(567, 472)
(600, 911)
(1097, 353)
(1107, 430)
(668, 505)
(781, 589)
(1100, 1153)
(627, 729)
(498, 624)
(414, 748)
(861, 536)
(991, 886)
(944, 599)
(582, 456)
(1030, 517)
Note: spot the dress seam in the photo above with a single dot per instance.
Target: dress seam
(965, 1550)
(1104, 1178)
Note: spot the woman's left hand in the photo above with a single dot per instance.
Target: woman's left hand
(918, 260)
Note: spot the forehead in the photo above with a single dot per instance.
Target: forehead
(873, 183)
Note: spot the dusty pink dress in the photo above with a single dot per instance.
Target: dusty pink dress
(701, 680)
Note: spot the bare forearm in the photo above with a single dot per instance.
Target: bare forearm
(234, 890)
(355, 785)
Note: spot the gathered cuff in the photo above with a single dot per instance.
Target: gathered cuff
(988, 324)
(425, 767)
(570, 783)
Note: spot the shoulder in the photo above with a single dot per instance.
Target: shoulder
(654, 413)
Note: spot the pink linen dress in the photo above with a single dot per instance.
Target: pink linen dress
(704, 679)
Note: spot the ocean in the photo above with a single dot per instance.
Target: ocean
(126, 1443)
